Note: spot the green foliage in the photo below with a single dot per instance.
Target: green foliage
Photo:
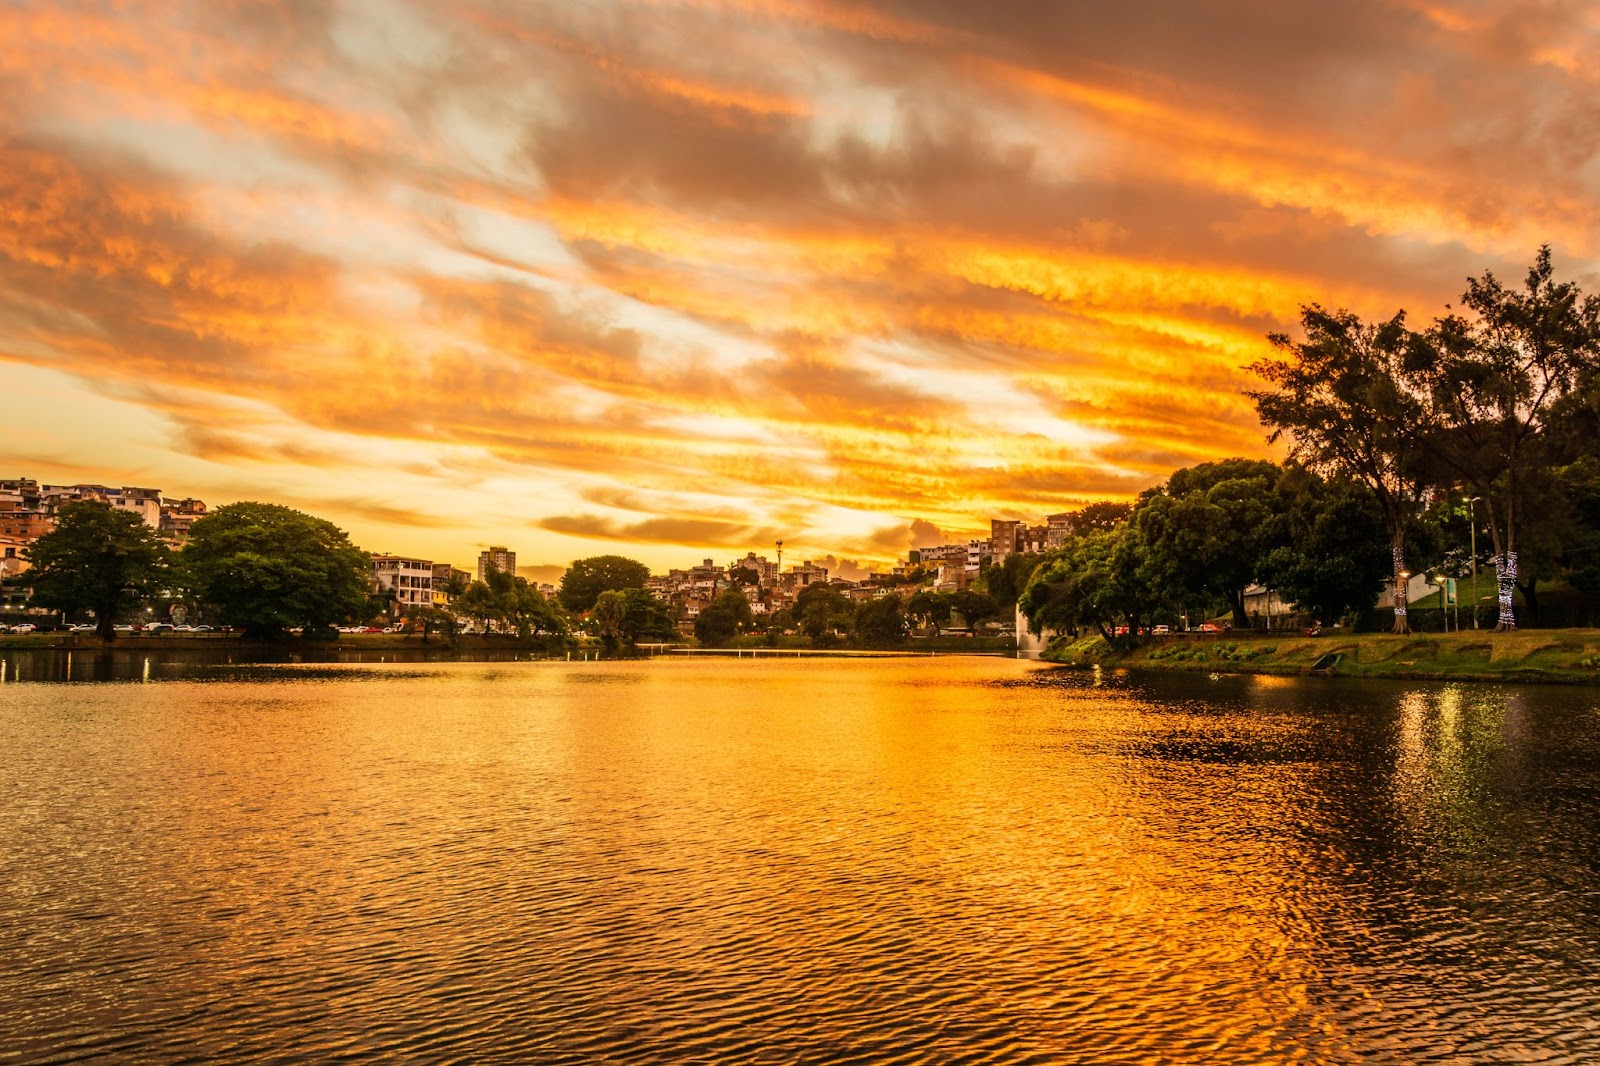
(1498, 377)
(721, 620)
(1006, 581)
(515, 605)
(1332, 556)
(477, 604)
(610, 614)
(454, 585)
(98, 559)
(1208, 531)
(1100, 517)
(1580, 513)
(1097, 582)
(586, 579)
(930, 608)
(431, 620)
(1343, 397)
(976, 606)
(880, 623)
(622, 618)
(648, 618)
(823, 612)
(269, 568)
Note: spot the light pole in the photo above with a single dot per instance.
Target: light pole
(1472, 534)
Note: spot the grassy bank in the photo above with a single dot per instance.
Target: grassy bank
(1567, 656)
(945, 645)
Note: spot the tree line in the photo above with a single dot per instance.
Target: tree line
(1403, 444)
(262, 568)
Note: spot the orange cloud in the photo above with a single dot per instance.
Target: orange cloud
(631, 258)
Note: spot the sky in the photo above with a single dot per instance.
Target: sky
(681, 279)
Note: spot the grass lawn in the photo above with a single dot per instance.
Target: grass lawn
(1559, 655)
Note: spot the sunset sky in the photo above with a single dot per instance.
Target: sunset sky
(680, 279)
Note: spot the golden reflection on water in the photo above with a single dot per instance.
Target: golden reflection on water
(727, 860)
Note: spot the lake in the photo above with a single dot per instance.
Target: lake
(720, 860)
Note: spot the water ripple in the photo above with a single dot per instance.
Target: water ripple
(883, 861)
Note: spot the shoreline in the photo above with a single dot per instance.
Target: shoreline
(1536, 656)
(397, 645)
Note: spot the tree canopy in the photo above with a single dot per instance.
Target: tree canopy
(880, 622)
(509, 604)
(269, 569)
(98, 559)
(586, 579)
(1494, 377)
(720, 621)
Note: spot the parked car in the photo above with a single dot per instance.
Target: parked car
(24, 627)
(369, 629)
(1208, 627)
(84, 627)
(205, 629)
(159, 627)
(1162, 631)
(124, 629)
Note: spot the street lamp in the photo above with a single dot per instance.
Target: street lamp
(1472, 533)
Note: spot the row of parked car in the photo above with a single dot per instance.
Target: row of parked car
(147, 629)
(1165, 631)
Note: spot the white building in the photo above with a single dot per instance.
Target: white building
(409, 580)
(146, 503)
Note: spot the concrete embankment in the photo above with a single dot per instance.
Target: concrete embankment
(1565, 656)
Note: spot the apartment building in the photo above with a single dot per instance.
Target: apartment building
(444, 575)
(13, 556)
(409, 581)
(495, 558)
(176, 518)
(146, 503)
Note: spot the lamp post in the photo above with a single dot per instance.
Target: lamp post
(1404, 597)
(1472, 533)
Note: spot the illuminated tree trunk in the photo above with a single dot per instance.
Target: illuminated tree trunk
(1505, 579)
(1402, 623)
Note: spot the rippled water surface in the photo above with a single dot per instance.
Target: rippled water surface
(910, 860)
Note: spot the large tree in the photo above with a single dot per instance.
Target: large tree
(1342, 397)
(720, 621)
(270, 569)
(99, 559)
(880, 622)
(1207, 531)
(1097, 581)
(930, 608)
(823, 611)
(1333, 556)
(523, 607)
(623, 617)
(1496, 375)
(586, 579)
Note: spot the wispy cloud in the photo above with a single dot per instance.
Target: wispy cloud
(707, 273)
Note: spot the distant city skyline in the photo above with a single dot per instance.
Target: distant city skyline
(670, 280)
